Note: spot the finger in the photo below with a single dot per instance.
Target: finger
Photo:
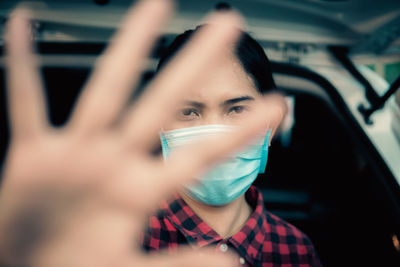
(119, 68)
(191, 161)
(25, 94)
(188, 69)
(277, 104)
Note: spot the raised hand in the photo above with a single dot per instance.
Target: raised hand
(80, 195)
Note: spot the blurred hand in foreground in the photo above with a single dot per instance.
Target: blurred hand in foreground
(80, 195)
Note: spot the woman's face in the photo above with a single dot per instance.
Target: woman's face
(226, 97)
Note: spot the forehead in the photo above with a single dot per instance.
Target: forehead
(228, 80)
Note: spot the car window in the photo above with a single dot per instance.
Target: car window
(388, 71)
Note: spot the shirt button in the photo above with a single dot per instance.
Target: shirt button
(223, 247)
(241, 260)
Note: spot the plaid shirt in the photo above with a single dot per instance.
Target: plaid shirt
(265, 240)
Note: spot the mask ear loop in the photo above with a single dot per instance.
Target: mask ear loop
(164, 145)
(264, 152)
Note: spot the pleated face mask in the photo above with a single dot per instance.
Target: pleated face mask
(226, 181)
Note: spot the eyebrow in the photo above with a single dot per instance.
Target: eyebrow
(195, 104)
(228, 102)
(236, 100)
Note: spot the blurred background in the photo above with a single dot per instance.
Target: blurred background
(334, 169)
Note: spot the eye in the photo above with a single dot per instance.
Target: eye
(188, 113)
(236, 110)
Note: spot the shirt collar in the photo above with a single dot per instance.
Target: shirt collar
(248, 241)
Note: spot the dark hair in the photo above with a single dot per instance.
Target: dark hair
(250, 54)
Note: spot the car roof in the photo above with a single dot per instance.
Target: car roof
(330, 22)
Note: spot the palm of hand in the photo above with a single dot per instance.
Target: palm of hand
(91, 184)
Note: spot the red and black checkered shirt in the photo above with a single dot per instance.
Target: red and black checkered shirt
(265, 240)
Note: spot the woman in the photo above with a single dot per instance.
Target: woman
(223, 209)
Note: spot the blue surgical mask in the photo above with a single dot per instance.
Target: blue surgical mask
(228, 180)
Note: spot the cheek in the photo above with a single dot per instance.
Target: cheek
(170, 125)
(174, 124)
(237, 118)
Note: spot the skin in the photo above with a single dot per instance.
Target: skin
(227, 97)
(66, 190)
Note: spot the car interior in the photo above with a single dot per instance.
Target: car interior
(327, 180)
